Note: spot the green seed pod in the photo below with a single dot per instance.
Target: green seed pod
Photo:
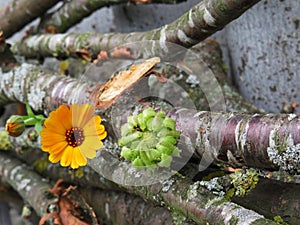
(154, 155)
(132, 121)
(169, 139)
(141, 122)
(166, 132)
(149, 139)
(145, 159)
(138, 162)
(157, 122)
(165, 150)
(127, 153)
(165, 161)
(148, 113)
(170, 123)
(126, 129)
(131, 137)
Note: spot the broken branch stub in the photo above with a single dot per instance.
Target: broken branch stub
(107, 94)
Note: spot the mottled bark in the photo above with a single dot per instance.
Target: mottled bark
(21, 12)
(43, 90)
(4, 214)
(122, 208)
(198, 23)
(274, 198)
(265, 141)
(28, 184)
(183, 196)
(73, 12)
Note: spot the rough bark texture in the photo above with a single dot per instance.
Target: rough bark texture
(265, 54)
(194, 26)
(241, 139)
(184, 197)
(122, 208)
(266, 141)
(274, 198)
(28, 184)
(73, 12)
(21, 12)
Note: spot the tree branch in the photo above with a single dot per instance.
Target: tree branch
(266, 141)
(21, 12)
(198, 23)
(74, 11)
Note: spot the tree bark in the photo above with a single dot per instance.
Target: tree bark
(21, 12)
(198, 23)
(73, 12)
(264, 141)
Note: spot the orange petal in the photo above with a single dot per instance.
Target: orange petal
(54, 126)
(56, 148)
(49, 138)
(79, 158)
(81, 114)
(67, 156)
(54, 158)
(93, 127)
(65, 116)
(88, 148)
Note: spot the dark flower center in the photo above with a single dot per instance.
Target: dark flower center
(74, 136)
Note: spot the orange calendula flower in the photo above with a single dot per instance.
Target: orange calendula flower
(71, 135)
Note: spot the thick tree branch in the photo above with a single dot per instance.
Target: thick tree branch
(74, 11)
(198, 23)
(21, 12)
(122, 208)
(265, 141)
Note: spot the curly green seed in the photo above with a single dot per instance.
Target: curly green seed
(149, 139)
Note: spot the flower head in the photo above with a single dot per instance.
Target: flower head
(15, 125)
(71, 135)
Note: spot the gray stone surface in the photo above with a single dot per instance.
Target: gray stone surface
(264, 48)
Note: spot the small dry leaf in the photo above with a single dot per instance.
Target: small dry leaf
(121, 52)
(83, 54)
(102, 56)
(50, 29)
(2, 38)
(232, 170)
(70, 209)
(140, 1)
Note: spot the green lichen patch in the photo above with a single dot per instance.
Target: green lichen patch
(5, 143)
(244, 181)
(149, 139)
(288, 160)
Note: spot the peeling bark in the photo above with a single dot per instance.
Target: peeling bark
(21, 12)
(34, 189)
(241, 139)
(266, 141)
(198, 23)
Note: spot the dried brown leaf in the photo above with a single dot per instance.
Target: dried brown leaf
(121, 52)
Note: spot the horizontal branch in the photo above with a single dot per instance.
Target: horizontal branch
(198, 203)
(19, 13)
(198, 23)
(265, 141)
(73, 12)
